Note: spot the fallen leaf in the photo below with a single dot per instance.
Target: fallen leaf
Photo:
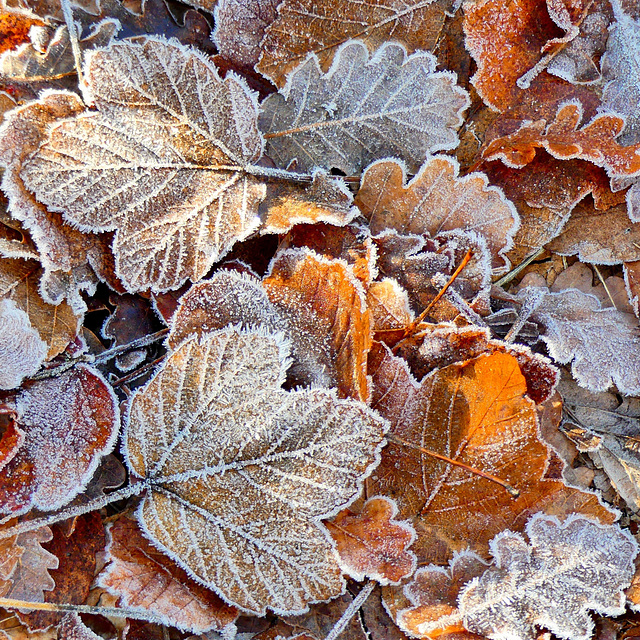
(147, 580)
(372, 543)
(240, 471)
(583, 565)
(69, 423)
(73, 576)
(323, 301)
(475, 412)
(14, 27)
(12, 436)
(399, 106)
(72, 628)
(433, 598)
(389, 305)
(302, 27)
(22, 352)
(57, 325)
(435, 200)
(100, 168)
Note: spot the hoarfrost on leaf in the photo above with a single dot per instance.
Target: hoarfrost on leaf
(161, 162)
(240, 471)
(566, 570)
(363, 109)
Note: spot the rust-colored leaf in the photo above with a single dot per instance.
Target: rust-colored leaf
(69, 423)
(300, 281)
(474, 412)
(14, 27)
(147, 580)
(372, 543)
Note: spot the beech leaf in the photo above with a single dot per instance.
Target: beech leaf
(363, 109)
(566, 570)
(161, 162)
(240, 471)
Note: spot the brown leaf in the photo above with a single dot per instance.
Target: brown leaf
(56, 325)
(240, 471)
(14, 27)
(301, 281)
(202, 201)
(72, 628)
(389, 305)
(148, 580)
(76, 554)
(69, 423)
(12, 436)
(372, 543)
(595, 142)
(474, 412)
(437, 200)
(302, 27)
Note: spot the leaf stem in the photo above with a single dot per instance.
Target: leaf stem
(73, 39)
(351, 610)
(94, 505)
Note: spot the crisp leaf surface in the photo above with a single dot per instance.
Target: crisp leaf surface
(240, 471)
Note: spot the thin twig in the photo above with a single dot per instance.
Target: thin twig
(604, 284)
(483, 474)
(73, 39)
(351, 610)
(516, 270)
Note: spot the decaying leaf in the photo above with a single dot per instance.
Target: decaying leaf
(72, 628)
(603, 345)
(372, 543)
(69, 423)
(21, 349)
(433, 596)
(162, 166)
(389, 305)
(566, 570)
(146, 580)
(475, 412)
(240, 471)
(437, 200)
(363, 109)
(303, 27)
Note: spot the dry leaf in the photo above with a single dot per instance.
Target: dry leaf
(240, 471)
(72, 628)
(14, 27)
(163, 167)
(475, 412)
(21, 349)
(437, 200)
(303, 27)
(389, 305)
(567, 570)
(69, 423)
(372, 543)
(398, 106)
(433, 596)
(56, 325)
(324, 302)
(146, 580)
(603, 345)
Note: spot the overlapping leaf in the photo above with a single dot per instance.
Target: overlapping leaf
(363, 109)
(161, 162)
(240, 471)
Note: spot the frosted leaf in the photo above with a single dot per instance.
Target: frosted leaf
(240, 26)
(69, 423)
(240, 471)
(33, 62)
(363, 109)
(21, 349)
(146, 580)
(25, 565)
(603, 345)
(437, 200)
(389, 304)
(566, 570)
(322, 26)
(72, 628)
(621, 68)
(161, 162)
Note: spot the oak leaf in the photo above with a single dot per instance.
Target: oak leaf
(146, 580)
(162, 166)
(583, 565)
(475, 412)
(398, 106)
(69, 423)
(240, 471)
(372, 543)
(303, 27)
(21, 349)
(435, 200)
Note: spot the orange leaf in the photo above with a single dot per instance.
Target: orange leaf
(372, 543)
